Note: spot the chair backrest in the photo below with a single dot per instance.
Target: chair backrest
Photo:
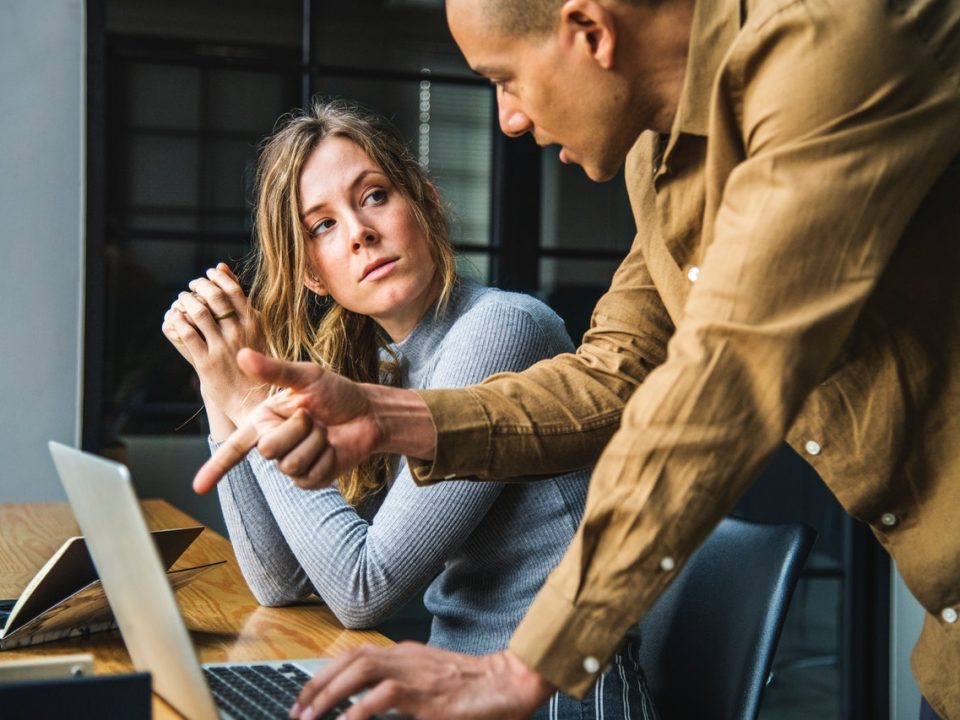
(708, 643)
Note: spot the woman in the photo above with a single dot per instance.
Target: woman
(355, 271)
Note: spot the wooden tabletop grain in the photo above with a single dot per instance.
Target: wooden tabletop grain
(224, 619)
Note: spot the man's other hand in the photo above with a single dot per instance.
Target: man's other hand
(426, 683)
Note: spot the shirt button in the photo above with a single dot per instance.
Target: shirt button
(949, 615)
(667, 564)
(591, 664)
(812, 447)
(888, 519)
(693, 274)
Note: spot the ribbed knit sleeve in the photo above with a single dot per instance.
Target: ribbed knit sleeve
(260, 547)
(290, 542)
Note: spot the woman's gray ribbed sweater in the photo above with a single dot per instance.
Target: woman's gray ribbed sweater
(492, 544)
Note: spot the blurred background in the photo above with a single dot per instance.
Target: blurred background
(191, 91)
(129, 138)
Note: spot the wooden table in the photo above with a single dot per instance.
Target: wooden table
(224, 619)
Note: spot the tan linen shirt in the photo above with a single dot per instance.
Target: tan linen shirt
(792, 276)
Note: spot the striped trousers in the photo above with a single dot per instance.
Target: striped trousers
(619, 694)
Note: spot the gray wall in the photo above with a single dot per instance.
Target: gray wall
(41, 233)
(164, 466)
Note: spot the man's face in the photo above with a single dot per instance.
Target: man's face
(548, 88)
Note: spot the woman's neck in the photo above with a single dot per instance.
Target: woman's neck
(399, 328)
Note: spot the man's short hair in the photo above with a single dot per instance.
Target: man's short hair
(522, 18)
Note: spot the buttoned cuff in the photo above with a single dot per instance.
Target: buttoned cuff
(569, 646)
(463, 437)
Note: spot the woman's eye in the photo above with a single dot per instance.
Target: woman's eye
(375, 197)
(322, 227)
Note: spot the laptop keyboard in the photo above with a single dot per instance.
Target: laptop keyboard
(260, 692)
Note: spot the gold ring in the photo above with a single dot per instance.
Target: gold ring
(224, 315)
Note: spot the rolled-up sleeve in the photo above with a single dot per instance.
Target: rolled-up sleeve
(558, 415)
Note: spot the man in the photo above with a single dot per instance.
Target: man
(792, 166)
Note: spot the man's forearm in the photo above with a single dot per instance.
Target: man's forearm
(405, 423)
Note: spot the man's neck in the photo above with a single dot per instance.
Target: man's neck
(662, 32)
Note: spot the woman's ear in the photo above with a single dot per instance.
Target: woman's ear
(314, 283)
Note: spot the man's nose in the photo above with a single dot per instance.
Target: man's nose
(513, 121)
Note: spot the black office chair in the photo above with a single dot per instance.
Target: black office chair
(708, 644)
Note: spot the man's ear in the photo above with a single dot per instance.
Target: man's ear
(314, 283)
(590, 25)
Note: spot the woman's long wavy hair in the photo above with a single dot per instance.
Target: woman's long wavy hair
(297, 324)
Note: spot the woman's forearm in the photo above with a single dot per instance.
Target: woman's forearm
(220, 425)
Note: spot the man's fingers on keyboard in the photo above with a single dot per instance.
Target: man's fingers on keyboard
(386, 696)
(345, 676)
(320, 680)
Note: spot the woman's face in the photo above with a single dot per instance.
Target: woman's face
(364, 247)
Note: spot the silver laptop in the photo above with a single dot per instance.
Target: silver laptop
(105, 505)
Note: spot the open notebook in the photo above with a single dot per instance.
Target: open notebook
(105, 505)
(65, 598)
